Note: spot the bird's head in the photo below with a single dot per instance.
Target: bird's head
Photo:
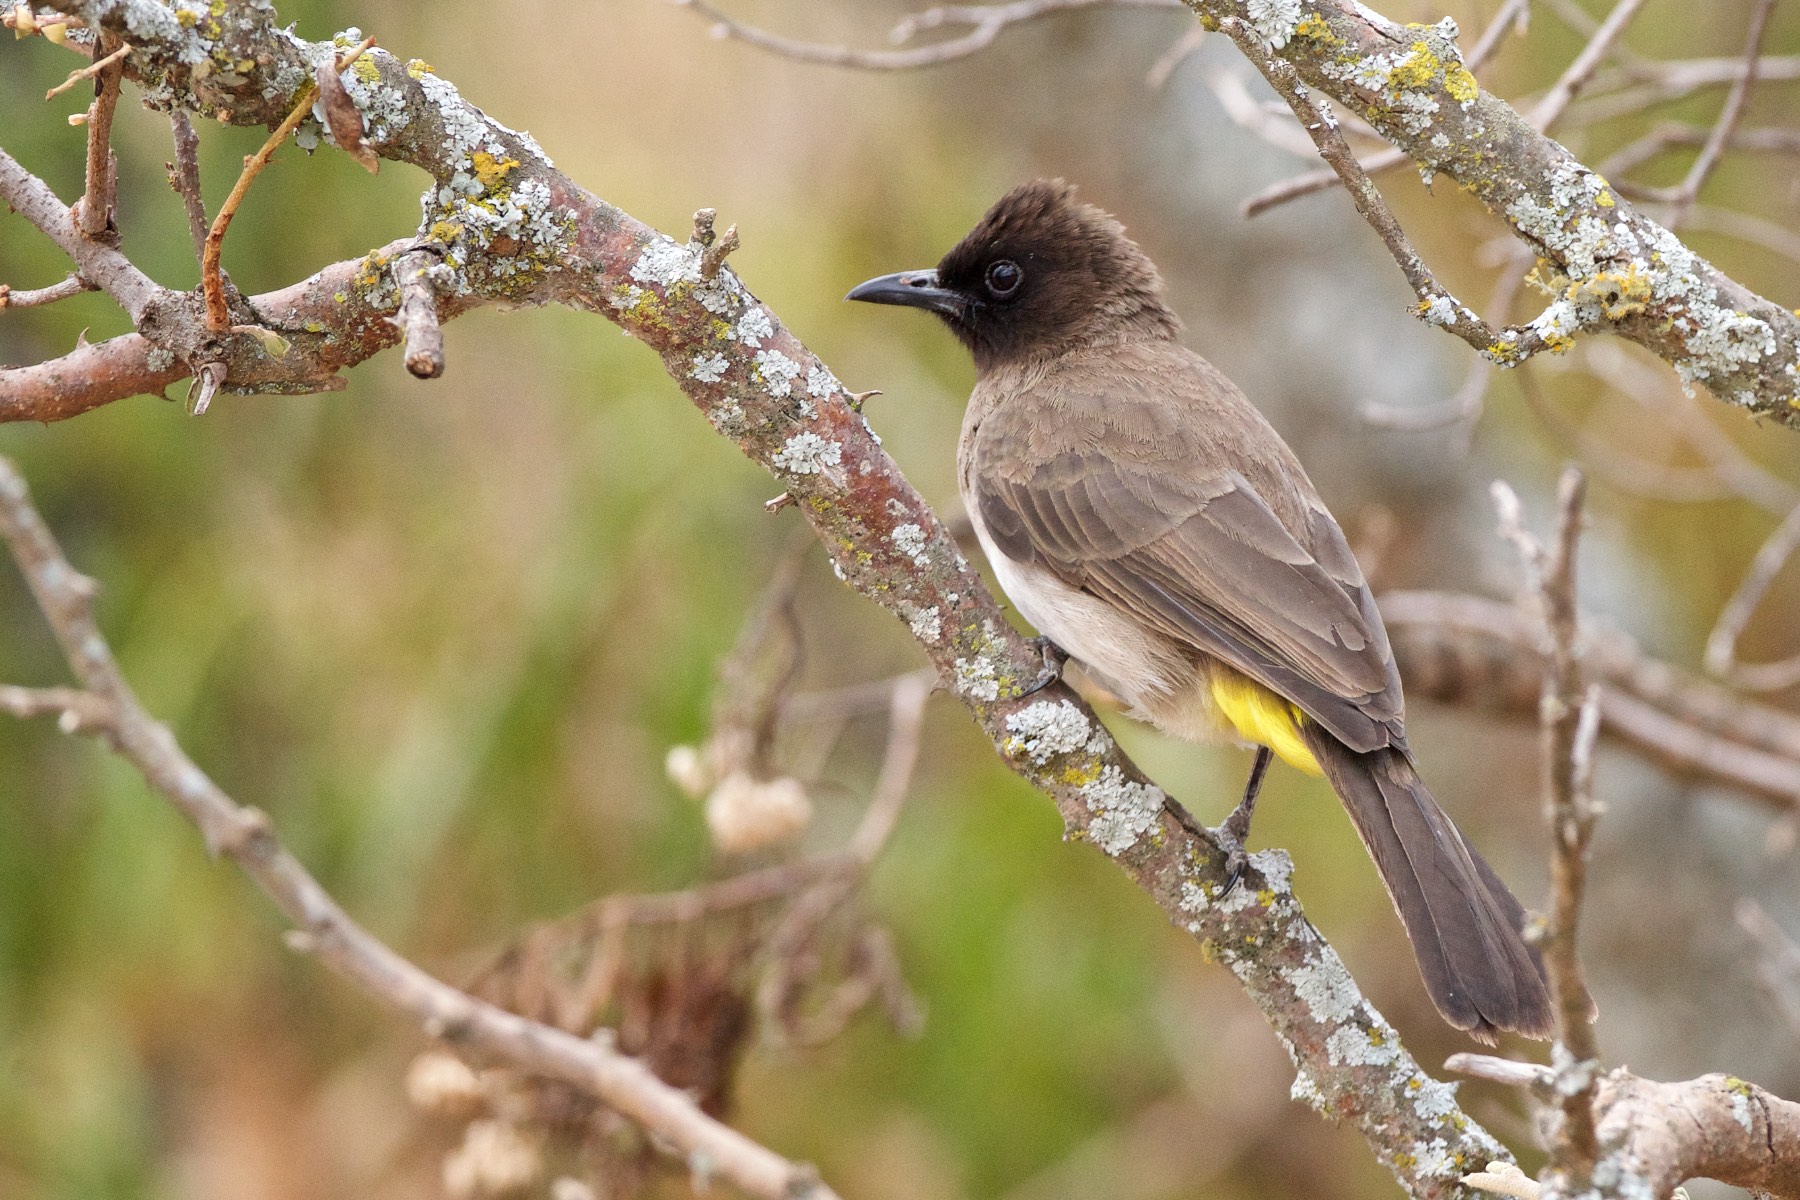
(1039, 275)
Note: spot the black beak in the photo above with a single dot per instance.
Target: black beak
(915, 289)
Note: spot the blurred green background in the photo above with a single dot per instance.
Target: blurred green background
(444, 633)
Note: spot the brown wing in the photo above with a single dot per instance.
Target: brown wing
(1174, 532)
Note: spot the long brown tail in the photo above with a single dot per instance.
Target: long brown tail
(1463, 922)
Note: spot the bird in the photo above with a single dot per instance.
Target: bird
(1145, 517)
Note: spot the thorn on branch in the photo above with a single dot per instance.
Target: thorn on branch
(417, 317)
(858, 399)
(785, 500)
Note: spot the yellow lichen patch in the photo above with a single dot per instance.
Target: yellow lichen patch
(445, 231)
(186, 18)
(1265, 897)
(1419, 69)
(1080, 775)
(492, 171)
(418, 68)
(1460, 84)
(1314, 29)
(1558, 343)
(366, 70)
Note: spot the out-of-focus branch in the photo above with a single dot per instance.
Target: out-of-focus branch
(1682, 196)
(984, 22)
(1570, 716)
(1657, 1135)
(108, 708)
(1468, 650)
(1721, 644)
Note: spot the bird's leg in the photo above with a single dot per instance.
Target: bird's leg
(1231, 835)
(1054, 658)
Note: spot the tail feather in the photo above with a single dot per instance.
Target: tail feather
(1464, 925)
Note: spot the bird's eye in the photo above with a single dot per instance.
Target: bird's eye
(1004, 278)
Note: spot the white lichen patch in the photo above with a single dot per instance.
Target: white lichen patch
(1194, 897)
(754, 326)
(1306, 1090)
(1327, 990)
(666, 262)
(1432, 1099)
(1439, 310)
(1124, 810)
(977, 678)
(821, 383)
(909, 539)
(778, 372)
(1433, 1159)
(1047, 730)
(1273, 20)
(1352, 1046)
(709, 368)
(925, 623)
(159, 359)
(807, 454)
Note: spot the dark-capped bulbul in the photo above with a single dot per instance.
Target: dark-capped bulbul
(1152, 525)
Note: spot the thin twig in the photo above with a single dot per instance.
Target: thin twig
(1556, 101)
(87, 72)
(246, 836)
(76, 711)
(1682, 196)
(74, 285)
(985, 22)
(218, 315)
(1721, 643)
(184, 177)
(1570, 719)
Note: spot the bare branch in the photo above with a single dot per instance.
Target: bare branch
(1681, 197)
(218, 315)
(184, 177)
(95, 261)
(1721, 644)
(985, 23)
(1570, 717)
(94, 211)
(245, 836)
(74, 285)
(1550, 109)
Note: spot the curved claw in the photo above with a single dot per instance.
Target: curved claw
(1054, 657)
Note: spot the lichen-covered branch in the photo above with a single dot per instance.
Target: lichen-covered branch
(1610, 267)
(106, 707)
(1659, 1135)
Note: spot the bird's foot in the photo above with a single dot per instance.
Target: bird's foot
(1054, 657)
(1234, 831)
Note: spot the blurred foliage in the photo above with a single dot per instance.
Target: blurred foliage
(444, 633)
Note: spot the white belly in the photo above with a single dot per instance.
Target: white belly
(1161, 681)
